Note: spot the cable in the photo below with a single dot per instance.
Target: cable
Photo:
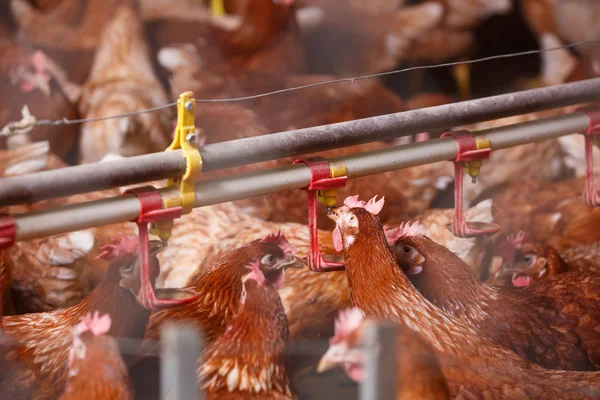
(65, 121)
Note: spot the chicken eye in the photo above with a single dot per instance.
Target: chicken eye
(129, 266)
(269, 259)
(352, 218)
(528, 259)
(406, 249)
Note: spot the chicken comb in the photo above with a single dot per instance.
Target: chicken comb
(125, 245)
(280, 240)
(95, 324)
(373, 206)
(513, 243)
(405, 229)
(346, 323)
(255, 273)
(38, 59)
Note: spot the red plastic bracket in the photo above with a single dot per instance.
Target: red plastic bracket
(590, 194)
(467, 153)
(8, 231)
(151, 210)
(321, 179)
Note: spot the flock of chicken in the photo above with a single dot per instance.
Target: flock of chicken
(514, 315)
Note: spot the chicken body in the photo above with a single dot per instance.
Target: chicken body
(251, 349)
(121, 81)
(475, 365)
(537, 326)
(101, 373)
(551, 213)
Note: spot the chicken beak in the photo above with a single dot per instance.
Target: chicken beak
(293, 262)
(45, 88)
(331, 359)
(332, 213)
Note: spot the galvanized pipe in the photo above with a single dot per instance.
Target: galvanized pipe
(235, 187)
(86, 178)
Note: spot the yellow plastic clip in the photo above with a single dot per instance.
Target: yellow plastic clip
(186, 197)
(329, 196)
(217, 7)
(183, 132)
(473, 168)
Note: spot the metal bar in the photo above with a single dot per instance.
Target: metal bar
(180, 348)
(86, 178)
(380, 379)
(235, 187)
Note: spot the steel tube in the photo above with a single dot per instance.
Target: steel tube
(257, 183)
(80, 179)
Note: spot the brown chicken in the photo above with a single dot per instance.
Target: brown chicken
(474, 365)
(247, 361)
(43, 339)
(532, 261)
(220, 286)
(550, 332)
(28, 79)
(418, 369)
(121, 81)
(473, 251)
(96, 369)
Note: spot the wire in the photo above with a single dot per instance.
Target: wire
(65, 121)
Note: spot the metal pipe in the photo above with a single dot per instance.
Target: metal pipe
(181, 345)
(257, 183)
(380, 364)
(86, 178)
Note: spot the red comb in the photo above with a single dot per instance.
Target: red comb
(405, 229)
(96, 324)
(125, 245)
(346, 322)
(280, 240)
(372, 206)
(513, 243)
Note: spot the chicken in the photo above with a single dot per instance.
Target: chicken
(551, 213)
(415, 358)
(474, 365)
(546, 334)
(247, 361)
(346, 41)
(473, 251)
(220, 286)
(43, 339)
(28, 79)
(532, 261)
(121, 81)
(96, 369)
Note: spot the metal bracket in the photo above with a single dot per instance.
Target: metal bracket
(325, 179)
(592, 138)
(472, 150)
(151, 210)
